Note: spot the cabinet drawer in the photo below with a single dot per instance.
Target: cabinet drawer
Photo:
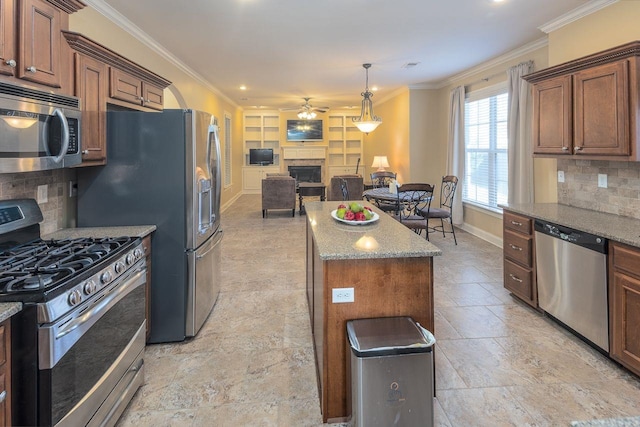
(626, 258)
(518, 280)
(518, 247)
(518, 223)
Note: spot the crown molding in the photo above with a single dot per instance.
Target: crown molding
(516, 53)
(123, 22)
(424, 86)
(575, 14)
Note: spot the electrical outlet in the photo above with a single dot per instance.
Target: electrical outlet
(340, 295)
(42, 194)
(602, 180)
(560, 176)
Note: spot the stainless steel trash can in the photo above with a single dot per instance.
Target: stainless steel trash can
(391, 371)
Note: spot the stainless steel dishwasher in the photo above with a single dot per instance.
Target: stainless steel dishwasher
(572, 280)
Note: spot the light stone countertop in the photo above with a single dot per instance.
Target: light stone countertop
(386, 238)
(129, 231)
(8, 309)
(609, 422)
(614, 227)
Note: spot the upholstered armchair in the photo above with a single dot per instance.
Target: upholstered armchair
(355, 187)
(278, 192)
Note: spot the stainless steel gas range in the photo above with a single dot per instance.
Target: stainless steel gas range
(78, 343)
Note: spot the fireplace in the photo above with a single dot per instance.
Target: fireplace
(306, 173)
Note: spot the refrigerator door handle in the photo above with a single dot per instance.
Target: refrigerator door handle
(204, 190)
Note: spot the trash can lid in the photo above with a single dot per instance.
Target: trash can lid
(386, 336)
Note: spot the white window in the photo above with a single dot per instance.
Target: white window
(485, 122)
(227, 150)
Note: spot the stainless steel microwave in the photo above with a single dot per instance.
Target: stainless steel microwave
(38, 130)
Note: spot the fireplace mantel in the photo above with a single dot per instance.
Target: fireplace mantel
(304, 153)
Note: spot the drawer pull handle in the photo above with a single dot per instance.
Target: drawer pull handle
(515, 248)
(3, 396)
(515, 278)
(519, 224)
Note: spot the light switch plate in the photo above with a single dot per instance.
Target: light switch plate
(341, 295)
(560, 176)
(602, 180)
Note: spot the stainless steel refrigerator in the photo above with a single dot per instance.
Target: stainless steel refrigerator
(164, 169)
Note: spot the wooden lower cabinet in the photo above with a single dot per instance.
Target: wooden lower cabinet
(5, 373)
(624, 305)
(519, 257)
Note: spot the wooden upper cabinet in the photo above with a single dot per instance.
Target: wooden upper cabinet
(589, 107)
(552, 116)
(91, 85)
(129, 88)
(602, 110)
(31, 46)
(40, 26)
(7, 37)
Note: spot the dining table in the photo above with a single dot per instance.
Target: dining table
(383, 194)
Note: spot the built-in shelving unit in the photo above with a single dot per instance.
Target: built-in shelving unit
(262, 130)
(344, 145)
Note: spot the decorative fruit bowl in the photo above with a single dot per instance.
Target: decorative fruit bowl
(354, 214)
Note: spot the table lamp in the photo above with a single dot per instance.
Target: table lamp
(380, 162)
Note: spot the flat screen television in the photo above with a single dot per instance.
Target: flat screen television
(260, 156)
(304, 130)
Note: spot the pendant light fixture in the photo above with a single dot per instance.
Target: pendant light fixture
(367, 122)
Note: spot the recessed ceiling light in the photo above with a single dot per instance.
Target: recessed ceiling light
(374, 88)
(498, 1)
(243, 87)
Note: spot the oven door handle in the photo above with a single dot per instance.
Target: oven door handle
(95, 312)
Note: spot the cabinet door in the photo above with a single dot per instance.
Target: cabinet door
(91, 87)
(125, 87)
(602, 110)
(625, 320)
(7, 37)
(153, 96)
(40, 26)
(252, 178)
(552, 116)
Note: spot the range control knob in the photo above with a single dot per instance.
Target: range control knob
(138, 253)
(89, 287)
(120, 267)
(106, 277)
(75, 297)
(131, 258)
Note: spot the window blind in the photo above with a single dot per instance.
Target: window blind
(486, 173)
(227, 150)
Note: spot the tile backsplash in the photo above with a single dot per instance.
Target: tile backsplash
(580, 189)
(59, 210)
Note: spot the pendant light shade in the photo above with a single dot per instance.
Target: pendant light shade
(367, 122)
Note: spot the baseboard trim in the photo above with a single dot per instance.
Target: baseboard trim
(230, 202)
(478, 232)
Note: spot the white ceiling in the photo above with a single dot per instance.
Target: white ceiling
(283, 50)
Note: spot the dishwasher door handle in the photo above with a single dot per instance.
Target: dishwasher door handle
(514, 247)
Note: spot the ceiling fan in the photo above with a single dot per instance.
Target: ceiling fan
(307, 111)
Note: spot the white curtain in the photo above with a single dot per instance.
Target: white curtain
(519, 129)
(455, 154)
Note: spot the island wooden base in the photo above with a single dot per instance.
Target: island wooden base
(383, 287)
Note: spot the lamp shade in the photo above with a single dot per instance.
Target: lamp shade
(380, 162)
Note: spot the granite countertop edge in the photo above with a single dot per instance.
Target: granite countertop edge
(116, 231)
(8, 309)
(613, 227)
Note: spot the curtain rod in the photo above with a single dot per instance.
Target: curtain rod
(486, 79)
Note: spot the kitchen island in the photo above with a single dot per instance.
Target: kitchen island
(384, 266)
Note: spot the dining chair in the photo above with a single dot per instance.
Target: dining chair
(382, 178)
(414, 199)
(344, 188)
(445, 211)
(379, 180)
